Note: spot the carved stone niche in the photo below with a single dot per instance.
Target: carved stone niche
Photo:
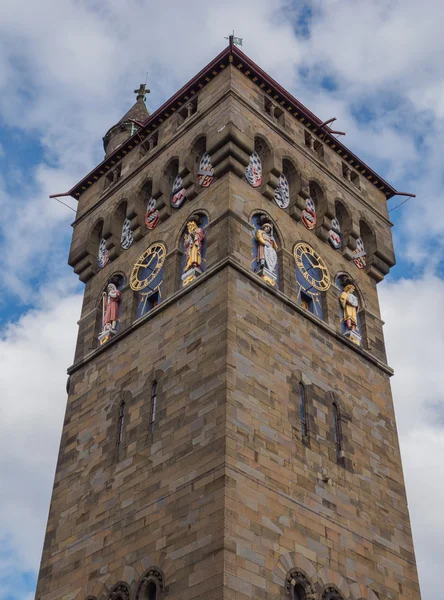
(331, 593)
(296, 580)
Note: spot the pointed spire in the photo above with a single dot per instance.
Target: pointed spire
(122, 130)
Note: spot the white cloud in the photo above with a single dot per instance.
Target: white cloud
(415, 346)
(34, 355)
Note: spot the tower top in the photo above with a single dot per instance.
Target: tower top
(124, 128)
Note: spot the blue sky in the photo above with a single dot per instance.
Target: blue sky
(65, 80)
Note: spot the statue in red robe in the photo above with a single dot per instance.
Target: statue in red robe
(110, 312)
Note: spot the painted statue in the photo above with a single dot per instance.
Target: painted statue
(266, 253)
(349, 302)
(253, 172)
(359, 255)
(282, 192)
(205, 174)
(193, 240)
(102, 255)
(151, 215)
(126, 239)
(335, 235)
(110, 312)
(178, 193)
(309, 214)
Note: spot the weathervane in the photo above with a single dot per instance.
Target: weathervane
(236, 40)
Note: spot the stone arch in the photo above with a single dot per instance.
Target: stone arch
(152, 405)
(300, 413)
(119, 591)
(318, 194)
(191, 213)
(358, 591)
(126, 576)
(345, 219)
(346, 276)
(293, 175)
(294, 561)
(162, 562)
(368, 236)
(276, 228)
(153, 575)
(262, 146)
(332, 580)
(95, 235)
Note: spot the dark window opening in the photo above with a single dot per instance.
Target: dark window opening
(153, 405)
(186, 111)
(354, 178)
(346, 172)
(306, 302)
(120, 427)
(302, 410)
(113, 176)
(274, 111)
(337, 431)
(299, 592)
(149, 144)
(151, 592)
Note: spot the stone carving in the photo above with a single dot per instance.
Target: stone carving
(152, 575)
(282, 192)
(151, 215)
(126, 238)
(350, 306)
(309, 214)
(193, 239)
(297, 578)
(359, 255)
(253, 172)
(178, 193)
(335, 235)
(120, 592)
(102, 255)
(110, 312)
(205, 173)
(266, 258)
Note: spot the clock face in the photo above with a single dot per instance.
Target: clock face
(312, 268)
(147, 267)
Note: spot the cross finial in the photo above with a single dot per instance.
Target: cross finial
(142, 92)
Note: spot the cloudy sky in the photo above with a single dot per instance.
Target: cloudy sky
(67, 72)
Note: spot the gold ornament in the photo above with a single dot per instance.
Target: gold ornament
(312, 267)
(147, 267)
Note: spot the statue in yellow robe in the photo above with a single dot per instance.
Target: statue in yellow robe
(350, 306)
(194, 237)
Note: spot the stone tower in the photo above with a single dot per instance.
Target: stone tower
(229, 430)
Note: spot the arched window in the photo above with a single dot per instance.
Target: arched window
(303, 409)
(124, 223)
(119, 592)
(153, 405)
(120, 425)
(298, 586)
(202, 163)
(151, 585)
(337, 431)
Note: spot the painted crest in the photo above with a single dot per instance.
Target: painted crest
(253, 172)
(205, 173)
(102, 255)
(178, 193)
(309, 214)
(334, 235)
(126, 239)
(359, 255)
(151, 215)
(282, 192)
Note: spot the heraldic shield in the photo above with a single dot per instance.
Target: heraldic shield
(178, 193)
(253, 172)
(205, 173)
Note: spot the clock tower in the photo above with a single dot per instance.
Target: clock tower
(229, 430)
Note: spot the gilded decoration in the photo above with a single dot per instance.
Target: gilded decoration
(312, 278)
(193, 240)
